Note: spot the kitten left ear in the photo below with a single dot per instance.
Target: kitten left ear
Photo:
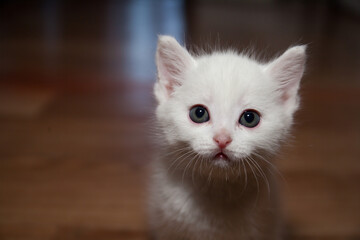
(287, 70)
(172, 62)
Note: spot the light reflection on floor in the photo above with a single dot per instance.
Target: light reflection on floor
(145, 21)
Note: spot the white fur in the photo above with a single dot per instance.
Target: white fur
(194, 196)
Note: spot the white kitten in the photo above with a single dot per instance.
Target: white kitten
(222, 116)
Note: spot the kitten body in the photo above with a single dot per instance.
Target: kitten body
(213, 179)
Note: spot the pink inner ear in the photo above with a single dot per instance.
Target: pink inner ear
(289, 88)
(169, 88)
(172, 61)
(287, 70)
(174, 66)
(168, 73)
(285, 96)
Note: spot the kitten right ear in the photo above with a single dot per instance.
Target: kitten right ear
(172, 61)
(287, 70)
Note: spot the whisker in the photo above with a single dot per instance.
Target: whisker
(209, 177)
(176, 151)
(271, 165)
(201, 162)
(187, 165)
(257, 181)
(196, 158)
(245, 171)
(262, 173)
(174, 161)
(180, 160)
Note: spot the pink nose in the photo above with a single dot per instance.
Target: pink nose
(222, 140)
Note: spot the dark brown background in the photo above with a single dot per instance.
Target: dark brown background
(75, 96)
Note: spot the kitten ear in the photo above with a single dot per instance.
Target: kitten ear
(172, 61)
(288, 70)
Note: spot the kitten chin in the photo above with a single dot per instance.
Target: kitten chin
(222, 117)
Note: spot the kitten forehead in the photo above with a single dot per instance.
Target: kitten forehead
(230, 70)
(227, 78)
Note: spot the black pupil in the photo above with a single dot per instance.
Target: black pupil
(249, 117)
(199, 112)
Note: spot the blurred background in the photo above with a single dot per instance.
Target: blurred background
(76, 95)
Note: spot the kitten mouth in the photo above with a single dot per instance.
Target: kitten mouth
(221, 156)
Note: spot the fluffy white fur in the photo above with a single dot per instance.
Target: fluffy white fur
(193, 195)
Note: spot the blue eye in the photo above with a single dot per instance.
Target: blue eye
(249, 118)
(199, 114)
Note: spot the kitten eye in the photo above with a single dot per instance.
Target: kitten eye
(249, 118)
(199, 114)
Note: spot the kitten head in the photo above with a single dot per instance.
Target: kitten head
(225, 107)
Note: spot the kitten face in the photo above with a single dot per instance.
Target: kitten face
(225, 85)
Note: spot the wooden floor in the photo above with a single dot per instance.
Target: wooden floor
(76, 102)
